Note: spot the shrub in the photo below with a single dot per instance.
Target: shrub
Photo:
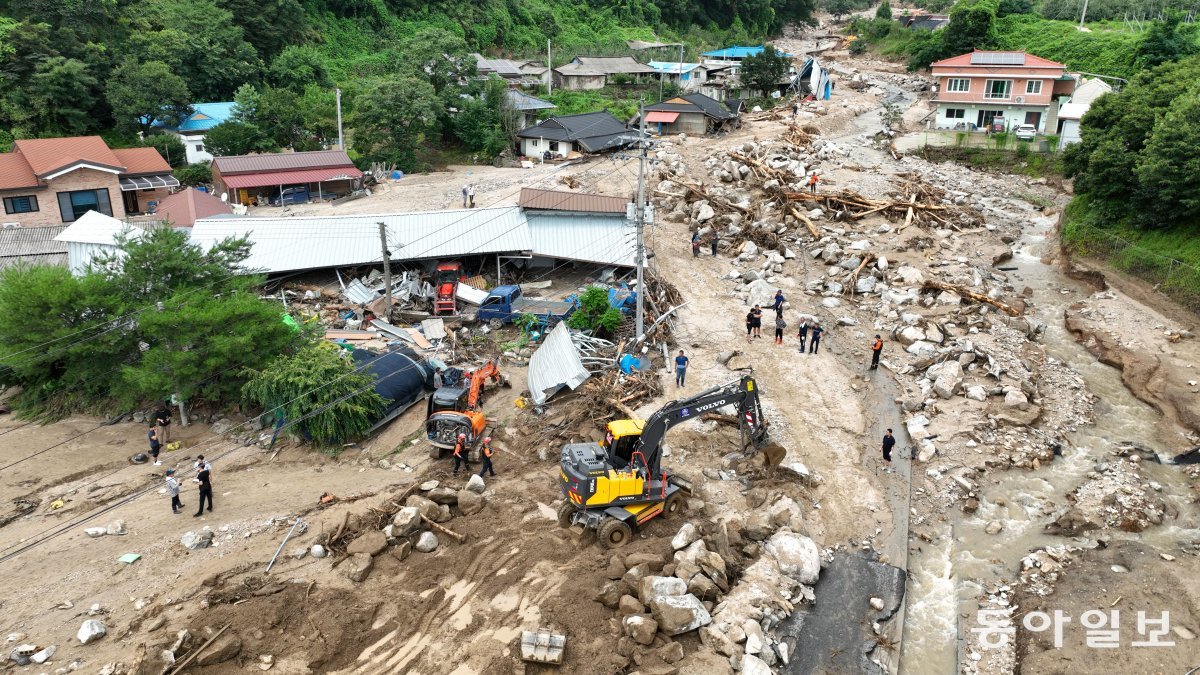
(194, 174)
(594, 313)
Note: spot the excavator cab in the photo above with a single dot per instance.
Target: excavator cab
(456, 409)
(620, 441)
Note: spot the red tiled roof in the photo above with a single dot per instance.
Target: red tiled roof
(964, 60)
(277, 178)
(15, 172)
(139, 161)
(46, 155)
(559, 200)
(183, 209)
(662, 116)
(283, 161)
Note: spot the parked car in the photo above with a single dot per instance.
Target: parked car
(292, 195)
(1026, 132)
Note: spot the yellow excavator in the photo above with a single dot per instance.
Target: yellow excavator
(617, 485)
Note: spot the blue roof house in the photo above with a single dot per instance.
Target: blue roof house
(735, 53)
(193, 128)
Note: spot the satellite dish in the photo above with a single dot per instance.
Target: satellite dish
(225, 196)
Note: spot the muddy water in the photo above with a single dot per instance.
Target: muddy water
(946, 577)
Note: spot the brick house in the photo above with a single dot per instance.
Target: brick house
(1012, 88)
(51, 181)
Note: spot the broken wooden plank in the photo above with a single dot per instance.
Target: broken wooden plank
(968, 293)
(418, 339)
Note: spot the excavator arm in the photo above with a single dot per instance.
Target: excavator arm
(742, 394)
(477, 378)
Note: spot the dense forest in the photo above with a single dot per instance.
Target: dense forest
(118, 67)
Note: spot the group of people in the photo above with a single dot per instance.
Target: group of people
(468, 193)
(754, 325)
(461, 449)
(203, 480)
(713, 240)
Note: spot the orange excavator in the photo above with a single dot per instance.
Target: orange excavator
(455, 409)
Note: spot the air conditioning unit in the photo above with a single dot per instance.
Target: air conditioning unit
(1020, 99)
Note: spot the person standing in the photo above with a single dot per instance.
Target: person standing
(460, 454)
(681, 364)
(464, 191)
(162, 419)
(779, 300)
(888, 443)
(173, 492)
(780, 325)
(876, 350)
(757, 314)
(749, 325)
(815, 343)
(713, 242)
(812, 182)
(695, 244)
(155, 446)
(202, 464)
(471, 194)
(802, 333)
(486, 453)
(204, 478)
(795, 110)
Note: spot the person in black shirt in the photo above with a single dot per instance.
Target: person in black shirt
(162, 419)
(756, 316)
(815, 343)
(888, 442)
(155, 446)
(802, 334)
(203, 478)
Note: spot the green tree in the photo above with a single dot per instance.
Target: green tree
(764, 70)
(839, 8)
(231, 138)
(61, 97)
(144, 93)
(970, 26)
(884, 11)
(169, 146)
(594, 313)
(438, 56)
(1007, 7)
(280, 117)
(481, 123)
(194, 174)
(1168, 170)
(298, 67)
(245, 101)
(393, 120)
(319, 392)
(1167, 40)
(271, 25)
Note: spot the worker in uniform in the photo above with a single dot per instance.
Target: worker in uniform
(486, 453)
(815, 343)
(876, 350)
(802, 333)
(460, 454)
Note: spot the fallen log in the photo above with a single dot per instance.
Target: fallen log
(812, 227)
(460, 538)
(867, 260)
(972, 295)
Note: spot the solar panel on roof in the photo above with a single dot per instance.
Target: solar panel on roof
(997, 59)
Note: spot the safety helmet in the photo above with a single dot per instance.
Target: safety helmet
(487, 439)
(462, 435)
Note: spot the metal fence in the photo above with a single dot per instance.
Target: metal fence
(1176, 279)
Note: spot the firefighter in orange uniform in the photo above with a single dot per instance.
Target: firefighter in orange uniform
(460, 454)
(486, 453)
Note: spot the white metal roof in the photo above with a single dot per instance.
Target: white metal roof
(608, 240)
(291, 243)
(555, 364)
(1073, 111)
(94, 227)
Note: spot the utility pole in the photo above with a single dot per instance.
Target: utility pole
(341, 139)
(549, 70)
(1083, 14)
(387, 272)
(641, 222)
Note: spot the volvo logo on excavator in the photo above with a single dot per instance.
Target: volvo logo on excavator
(710, 406)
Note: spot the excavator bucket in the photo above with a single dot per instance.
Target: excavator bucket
(771, 454)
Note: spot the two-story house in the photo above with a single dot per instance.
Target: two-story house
(51, 181)
(974, 90)
(192, 129)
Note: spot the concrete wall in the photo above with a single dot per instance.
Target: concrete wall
(1070, 133)
(578, 82)
(1013, 115)
(536, 147)
(693, 124)
(48, 212)
(193, 145)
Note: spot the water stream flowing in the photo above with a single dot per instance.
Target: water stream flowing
(949, 574)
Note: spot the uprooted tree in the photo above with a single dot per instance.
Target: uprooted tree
(163, 317)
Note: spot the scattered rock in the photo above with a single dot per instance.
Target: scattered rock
(372, 543)
(224, 648)
(443, 495)
(197, 540)
(96, 531)
(877, 604)
(977, 393)
(406, 521)
(685, 536)
(318, 551)
(994, 527)
(117, 527)
(629, 605)
(653, 587)
(678, 614)
(427, 542)
(1016, 399)
(90, 631)
(797, 555)
(476, 484)
(640, 627)
(357, 566)
(470, 502)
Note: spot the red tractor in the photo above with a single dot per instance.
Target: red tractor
(446, 279)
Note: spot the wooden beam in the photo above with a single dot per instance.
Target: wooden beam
(968, 293)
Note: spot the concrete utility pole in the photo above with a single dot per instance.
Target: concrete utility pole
(549, 71)
(1083, 14)
(387, 272)
(341, 139)
(641, 222)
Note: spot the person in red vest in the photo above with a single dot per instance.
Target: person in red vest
(876, 350)
(460, 454)
(486, 452)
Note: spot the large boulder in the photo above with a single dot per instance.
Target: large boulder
(949, 379)
(469, 502)
(864, 285)
(224, 648)
(357, 566)
(1015, 398)
(684, 537)
(909, 335)
(428, 508)
(640, 627)
(797, 555)
(678, 614)
(196, 540)
(406, 521)
(653, 587)
(372, 543)
(705, 213)
(476, 484)
(762, 294)
(752, 665)
(443, 495)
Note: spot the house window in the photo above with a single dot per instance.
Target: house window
(553, 146)
(74, 204)
(958, 84)
(1033, 87)
(20, 204)
(956, 113)
(199, 147)
(999, 89)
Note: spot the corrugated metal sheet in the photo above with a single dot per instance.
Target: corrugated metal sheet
(284, 161)
(54, 259)
(16, 242)
(276, 178)
(662, 116)
(286, 244)
(559, 200)
(555, 365)
(608, 240)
